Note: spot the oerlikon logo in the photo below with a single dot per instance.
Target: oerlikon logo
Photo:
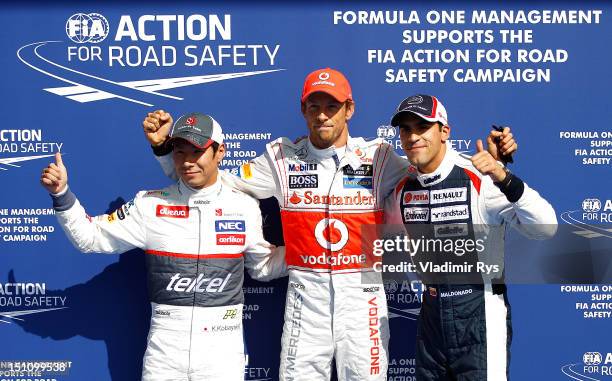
(331, 234)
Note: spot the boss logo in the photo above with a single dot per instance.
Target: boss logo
(303, 181)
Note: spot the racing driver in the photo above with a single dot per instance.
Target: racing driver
(328, 186)
(464, 329)
(198, 235)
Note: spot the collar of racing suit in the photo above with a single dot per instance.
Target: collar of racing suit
(443, 170)
(190, 194)
(346, 155)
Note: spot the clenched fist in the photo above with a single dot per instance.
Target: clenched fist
(156, 126)
(54, 178)
(501, 143)
(486, 164)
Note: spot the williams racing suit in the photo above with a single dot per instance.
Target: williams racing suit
(197, 243)
(336, 306)
(464, 329)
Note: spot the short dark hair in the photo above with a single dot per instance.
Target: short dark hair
(215, 147)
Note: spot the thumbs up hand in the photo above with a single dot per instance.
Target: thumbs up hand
(54, 178)
(486, 164)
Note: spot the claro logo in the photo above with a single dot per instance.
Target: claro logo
(172, 211)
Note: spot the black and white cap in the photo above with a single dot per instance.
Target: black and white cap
(198, 129)
(427, 107)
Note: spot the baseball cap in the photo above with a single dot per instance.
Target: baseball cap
(427, 107)
(198, 129)
(329, 81)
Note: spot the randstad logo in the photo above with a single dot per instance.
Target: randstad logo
(87, 27)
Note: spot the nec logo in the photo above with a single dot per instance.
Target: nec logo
(229, 226)
(178, 211)
(303, 181)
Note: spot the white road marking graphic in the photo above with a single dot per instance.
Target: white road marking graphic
(82, 93)
(586, 230)
(568, 367)
(12, 314)
(10, 160)
(408, 313)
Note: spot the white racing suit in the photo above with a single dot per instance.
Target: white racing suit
(464, 330)
(197, 244)
(326, 197)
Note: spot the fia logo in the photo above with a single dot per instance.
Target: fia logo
(87, 27)
(386, 132)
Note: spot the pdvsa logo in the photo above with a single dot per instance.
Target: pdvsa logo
(331, 234)
(87, 27)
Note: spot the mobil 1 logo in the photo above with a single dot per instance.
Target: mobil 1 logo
(303, 181)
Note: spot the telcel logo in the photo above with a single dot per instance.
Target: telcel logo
(199, 284)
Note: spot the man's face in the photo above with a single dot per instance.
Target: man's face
(197, 167)
(326, 119)
(423, 141)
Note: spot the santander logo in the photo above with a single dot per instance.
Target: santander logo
(331, 234)
(172, 211)
(295, 199)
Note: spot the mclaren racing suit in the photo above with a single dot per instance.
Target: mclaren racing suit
(464, 329)
(336, 306)
(197, 243)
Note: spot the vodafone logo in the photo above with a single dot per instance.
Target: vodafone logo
(331, 234)
(191, 121)
(324, 76)
(172, 211)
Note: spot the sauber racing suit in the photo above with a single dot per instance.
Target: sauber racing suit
(464, 330)
(326, 196)
(197, 243)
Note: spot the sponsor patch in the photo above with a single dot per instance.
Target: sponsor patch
(310, 198)
(230, 239)
(416, 214)
(432, 179)
(363, 170)
(172, 211)
(229, 226)
(451, 230)
(157, 193)
(302, 167)
(442, 196)
(445, 213)
(357, 182)
(416, 197)
(245, 171)
(303, 181)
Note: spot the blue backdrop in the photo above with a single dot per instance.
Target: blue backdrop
(80, 78)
